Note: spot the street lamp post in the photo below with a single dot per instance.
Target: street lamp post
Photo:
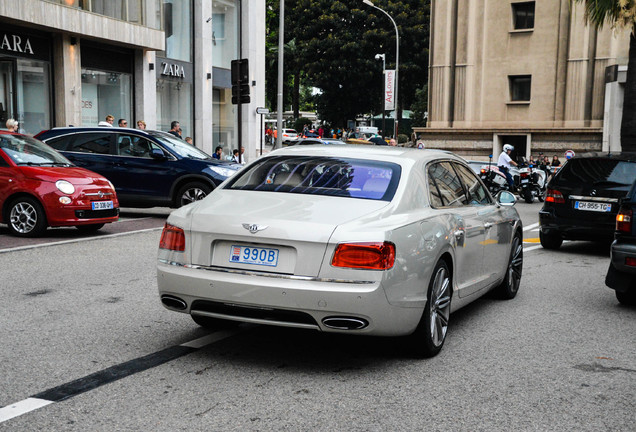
(383, 57)
(397, 61)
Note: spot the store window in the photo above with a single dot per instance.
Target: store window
(177, 25)
(105, 93)
(174, 102)
(224, 33)
(224, 121)
(33, 94)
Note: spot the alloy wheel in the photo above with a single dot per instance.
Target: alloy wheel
(439, 306)
(23, 217)
(192, 195)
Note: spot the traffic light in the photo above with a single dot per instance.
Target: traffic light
(240, 82)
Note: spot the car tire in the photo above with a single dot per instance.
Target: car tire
(191, 192)
(627, 298)
(89, 228)
(550, 241)
(26, 217)
(213, 323)
(512, 279)
(429, 336)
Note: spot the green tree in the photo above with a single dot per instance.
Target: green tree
(335, 47)
(620, 14)
(420, 107)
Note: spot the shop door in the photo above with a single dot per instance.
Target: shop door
(8, 107)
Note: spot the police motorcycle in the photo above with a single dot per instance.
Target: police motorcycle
(532, 183)
(494, 179)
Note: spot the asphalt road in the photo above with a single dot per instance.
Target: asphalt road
(81, 325)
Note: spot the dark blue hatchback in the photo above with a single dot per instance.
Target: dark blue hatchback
(147, 168)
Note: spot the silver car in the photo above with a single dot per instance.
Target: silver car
(361, 240)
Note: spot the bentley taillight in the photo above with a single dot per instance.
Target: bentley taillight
(554, 196)
(624, 221)
(172, 238)
(370, 256)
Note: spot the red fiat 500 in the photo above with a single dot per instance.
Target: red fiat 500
(41, 188)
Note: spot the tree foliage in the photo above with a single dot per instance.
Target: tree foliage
(335, 47)
(619, 14)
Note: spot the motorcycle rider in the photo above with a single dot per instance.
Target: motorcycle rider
(505, 162)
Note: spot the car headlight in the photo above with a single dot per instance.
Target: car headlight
(65, 187)
(222, 171)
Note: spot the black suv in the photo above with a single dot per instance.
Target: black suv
(582, 198)
(621, 274)
(147, 168)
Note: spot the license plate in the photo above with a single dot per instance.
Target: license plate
(524, 181)
(592, 206)
(254, 255)
(102, 205)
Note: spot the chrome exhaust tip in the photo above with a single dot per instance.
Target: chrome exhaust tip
(344, 323)
(173, 302)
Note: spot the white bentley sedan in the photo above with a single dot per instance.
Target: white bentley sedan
(363, 240)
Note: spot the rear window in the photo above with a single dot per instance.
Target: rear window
(343, 177)
(597, 172)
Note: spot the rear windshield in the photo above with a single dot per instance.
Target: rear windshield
(598, 172)
(343, 177)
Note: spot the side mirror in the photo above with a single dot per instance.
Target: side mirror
(158, 154)
(506, 199)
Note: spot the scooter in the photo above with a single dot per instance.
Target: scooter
(532, 183)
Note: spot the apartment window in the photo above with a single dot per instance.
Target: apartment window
(523, 15)
(520, 88)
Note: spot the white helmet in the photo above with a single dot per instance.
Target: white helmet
(508, 147)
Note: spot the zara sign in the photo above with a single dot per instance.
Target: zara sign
(172, 69)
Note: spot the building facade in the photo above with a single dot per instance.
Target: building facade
(72, 62)
(527, 73)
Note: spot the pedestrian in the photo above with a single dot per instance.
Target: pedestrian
(122, 123)
(175, 129)
(12, 125)
(393, 142)
(235, 156)
(141, 124)
(189, 140)
(505, 162)
(555, 161)
(109, 120)
(321, 131)
(218, 153)
(242, 158)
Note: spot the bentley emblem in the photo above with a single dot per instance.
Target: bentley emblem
(593, 192)
(254, 228)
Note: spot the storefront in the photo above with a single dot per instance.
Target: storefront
(25, 79)
(107, 83)
(174, 69)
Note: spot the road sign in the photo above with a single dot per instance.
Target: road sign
(260, 110)
(569, 154)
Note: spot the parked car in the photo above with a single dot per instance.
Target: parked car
(362, 240)
(582, 198)
(148, 168)
(319, 141)
(289, 136)
(621, 274)
(41, 188)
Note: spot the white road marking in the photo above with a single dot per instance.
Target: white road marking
(22, 407)
(530, 227)
(78, 240)
(31, 404)
(531, 248)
